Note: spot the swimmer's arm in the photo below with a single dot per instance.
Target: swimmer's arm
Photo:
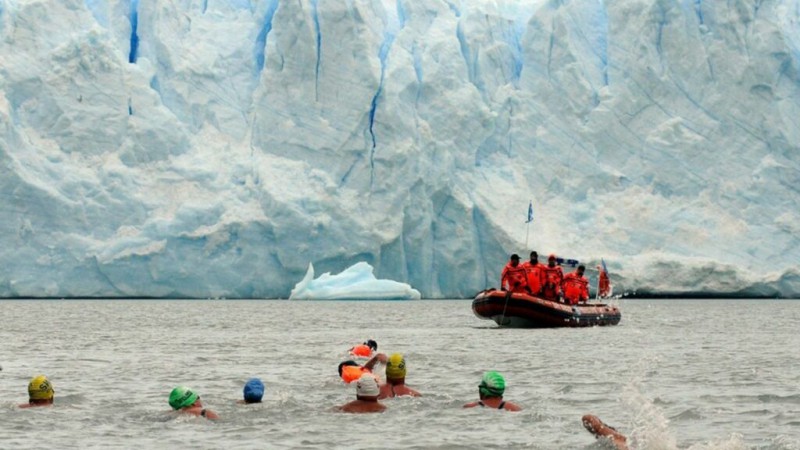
(209, 414)
(380, 357)
(512, 407)
(599, 429)
(471, 405)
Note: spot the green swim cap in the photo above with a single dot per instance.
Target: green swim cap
(181, 397)
(492, 385)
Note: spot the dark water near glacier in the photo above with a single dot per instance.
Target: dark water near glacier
(674, 374)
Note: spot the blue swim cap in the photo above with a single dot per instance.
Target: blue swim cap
(253, 390)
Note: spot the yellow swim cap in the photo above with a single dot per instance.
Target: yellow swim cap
(396, 367)
(40, 388)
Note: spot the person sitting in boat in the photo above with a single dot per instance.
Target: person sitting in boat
(395, 385)
(364, 350)
(186, 401)
(576, 287)
(490, 391)
(553, 276)
(351, 371)
(40, 392)
(513, 278)
(534, 272)
(366, 401)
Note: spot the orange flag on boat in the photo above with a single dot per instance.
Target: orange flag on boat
(603, 282)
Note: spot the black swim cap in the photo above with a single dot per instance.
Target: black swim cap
(371, 344)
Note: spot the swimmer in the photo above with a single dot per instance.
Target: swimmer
(396, 379)
(366, 401)
(602, 431)
(253, 391)
(364, 350)
(351, 371)
(40, 392)
(491, 392)
(185, 401)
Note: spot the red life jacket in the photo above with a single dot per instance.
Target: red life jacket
(552, 282)
(535, 276)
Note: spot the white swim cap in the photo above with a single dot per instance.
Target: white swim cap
(367, 386)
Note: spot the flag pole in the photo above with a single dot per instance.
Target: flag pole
(527, 230)
(528, 222)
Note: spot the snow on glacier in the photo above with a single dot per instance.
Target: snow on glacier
(357, 282)
(212, 148)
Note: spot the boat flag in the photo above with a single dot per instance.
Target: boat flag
(603, 282)
(530, 212)
(530, 219)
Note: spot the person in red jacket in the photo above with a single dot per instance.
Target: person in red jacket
(513, 277)
(534, 272)
(576, 287)
(553, 276)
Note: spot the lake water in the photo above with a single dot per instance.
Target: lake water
(673, 374)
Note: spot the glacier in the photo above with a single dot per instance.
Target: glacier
(357, 282)
(212, 148)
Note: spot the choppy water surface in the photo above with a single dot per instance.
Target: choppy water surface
(673, 374)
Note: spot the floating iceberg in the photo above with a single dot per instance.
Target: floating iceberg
(357, 282)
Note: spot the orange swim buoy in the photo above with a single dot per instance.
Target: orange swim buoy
(361, 350)
(353, 373)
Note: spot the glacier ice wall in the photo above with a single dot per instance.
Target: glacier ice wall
(213, 148)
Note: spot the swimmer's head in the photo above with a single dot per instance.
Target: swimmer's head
(395, 367)
(40, 388)
(253, 391)
(182, 397)
(372, 344)
(346, 363)
(367, 386)
(492, 385)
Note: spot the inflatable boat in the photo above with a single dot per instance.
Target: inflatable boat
(516, 310)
